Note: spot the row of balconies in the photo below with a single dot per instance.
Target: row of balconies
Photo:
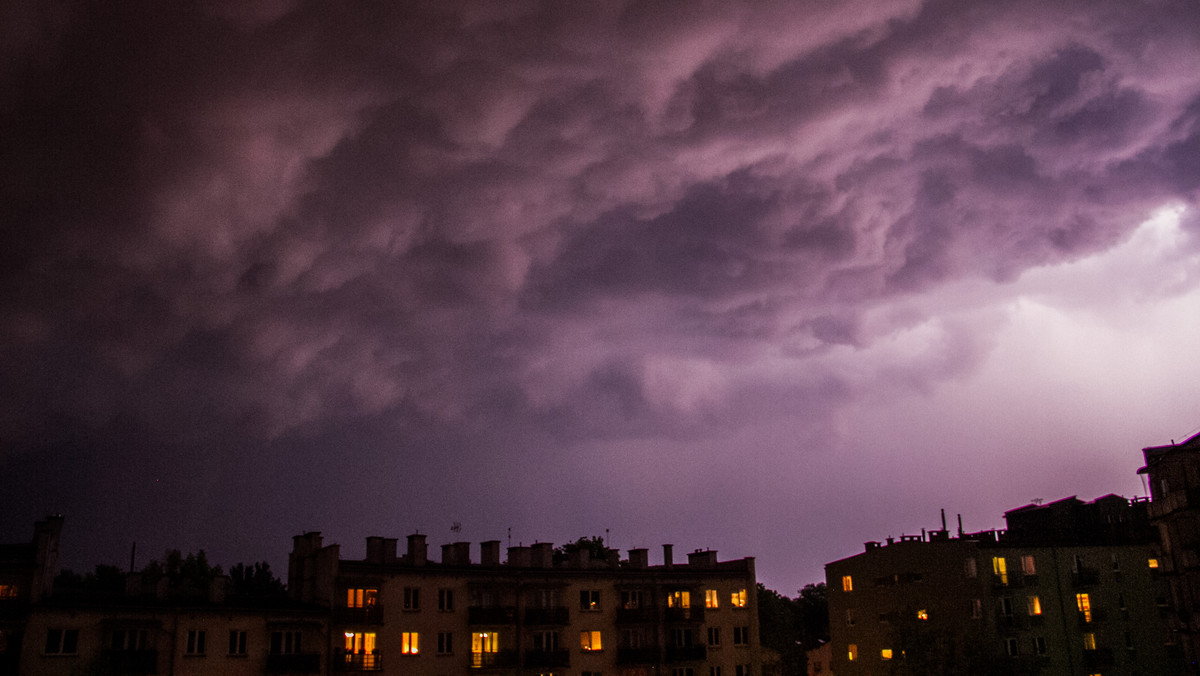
(561, 615)
(532, 659)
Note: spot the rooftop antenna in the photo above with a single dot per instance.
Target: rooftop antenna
(510, 536)
(456, 527)
(943, 518)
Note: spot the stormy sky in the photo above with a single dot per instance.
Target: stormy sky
(770, 278)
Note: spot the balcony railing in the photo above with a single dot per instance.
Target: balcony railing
(629, 615)
(494, 615)
(558, 615)
(643, 655)
(131, 661)
(296, 663)
(367, 615)
(548, 658)
(686, 653)
(684, 614)
(503, 659)
(362, 662)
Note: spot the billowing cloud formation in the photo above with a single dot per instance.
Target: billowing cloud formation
(304, 264)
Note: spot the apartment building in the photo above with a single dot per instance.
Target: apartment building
(1069, 588)
(532, 613)
(1173, 472)
(27, 571)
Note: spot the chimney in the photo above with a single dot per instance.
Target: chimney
(639, 559)
(702, 559)
(374, 549)
(389, 551)
(518, 557)
(580, 558)
(668, 556)
(417, 551)
(543, 555)
(456, 554)
(489, 553)
(218, 588)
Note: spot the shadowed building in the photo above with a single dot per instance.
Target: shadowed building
(27, 573)
(531, 614)
(1070, 588)
(1174, 478)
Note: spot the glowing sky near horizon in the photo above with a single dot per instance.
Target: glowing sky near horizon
(774, 279)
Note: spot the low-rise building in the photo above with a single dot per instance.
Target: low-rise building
(534, 613)
(1069, 588)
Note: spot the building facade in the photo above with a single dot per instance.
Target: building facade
(1173, 474)
(27, 571)
(534, 613)
(1069, 588)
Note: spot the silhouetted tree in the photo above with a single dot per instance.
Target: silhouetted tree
(779, 630)
(255, 580)
(594, 545)
(192, 571)
(812, 604)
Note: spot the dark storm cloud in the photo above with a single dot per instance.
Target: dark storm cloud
(431, 234)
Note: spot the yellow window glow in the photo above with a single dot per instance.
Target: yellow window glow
(739, 598)
(679, 599)
(8, 591)
(922, 614)
(852, 653)
(409, 643)
(590, 641)
(1153, 563)
(1089, 641)
(847, 583)
(710, 598)
(1035, 605)
(1084, 604)
(1000, 568)
(886, 653)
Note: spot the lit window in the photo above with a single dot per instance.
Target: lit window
(361, 598)
(1084, 604)
(1089, 641)
(360, 650)
(484, 644)
(1027, 565)
(8, 591)
(1035, 605)
(847, 583)
(852, 652)
(195, 642)
(739, 599)
(886, 653)
(589, 599)
(1153, 563)
(410, 643)
(710, 598)
(679, 599)
(922, 614)
(589, 641)
(1000, 569)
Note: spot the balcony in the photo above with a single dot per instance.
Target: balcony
(686, 653)
(296, 663)
(643, 655)
(496, 615)
(131, 661)
(504, 659)
(548, 658)
(634, 615)
(361, 662)
(684, 614)
(543, 616)
(367, 615)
